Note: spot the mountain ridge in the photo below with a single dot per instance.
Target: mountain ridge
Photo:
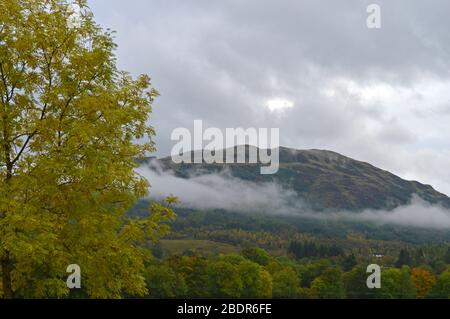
(324, 179)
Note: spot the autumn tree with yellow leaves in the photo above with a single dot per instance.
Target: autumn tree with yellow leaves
(69, 122)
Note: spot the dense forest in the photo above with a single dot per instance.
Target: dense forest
(254, 273)
(225, 255)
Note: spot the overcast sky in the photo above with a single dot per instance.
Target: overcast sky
(311, 68)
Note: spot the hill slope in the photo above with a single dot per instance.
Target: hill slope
(325, 180)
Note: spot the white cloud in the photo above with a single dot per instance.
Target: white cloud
(417, 214)
(279, 104)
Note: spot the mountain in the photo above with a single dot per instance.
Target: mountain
(324, 180)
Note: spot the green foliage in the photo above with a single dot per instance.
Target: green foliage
(285, 282)
(329, 285)
(198, 246)
(447, 256)
(313, 270)
(310, 249)
(404, 259)
(157, 250)
(257, 282)
(276, 232)
(349, 262)
(342, 275)
(355, 284)
(194, 270)
(257, 255)
(441, 289)
(163, 282)
(224, 280)
(397, 284)
(235, 276)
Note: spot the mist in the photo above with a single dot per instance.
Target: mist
(418, 213)
(224, 191)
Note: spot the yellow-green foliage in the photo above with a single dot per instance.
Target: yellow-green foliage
(69, 122)
(201, 247)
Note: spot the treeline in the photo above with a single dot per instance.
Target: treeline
(256, 274)
(310, 249)
(433, 256)
(188, 220)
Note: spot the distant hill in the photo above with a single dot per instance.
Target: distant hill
(325, 180)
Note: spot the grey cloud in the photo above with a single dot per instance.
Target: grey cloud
(219, 61)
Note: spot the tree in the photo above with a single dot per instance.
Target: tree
(355, 283)
(329, 285)
(441, 289)
(285, 278)
(447, 256)
(256, 282)
(224, 280)
(164, 282)
(397, 284)
(419, 257)
(285, 283)
(349, 262)
(404, 259)
(423, 280)
(69, 122)
(157, 250)
(194, 270)
(257, 255)
(312, 271)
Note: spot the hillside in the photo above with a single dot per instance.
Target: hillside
(325, 180)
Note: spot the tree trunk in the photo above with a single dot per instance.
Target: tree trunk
(6, 262)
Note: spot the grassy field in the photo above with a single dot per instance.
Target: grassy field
(202, 247)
